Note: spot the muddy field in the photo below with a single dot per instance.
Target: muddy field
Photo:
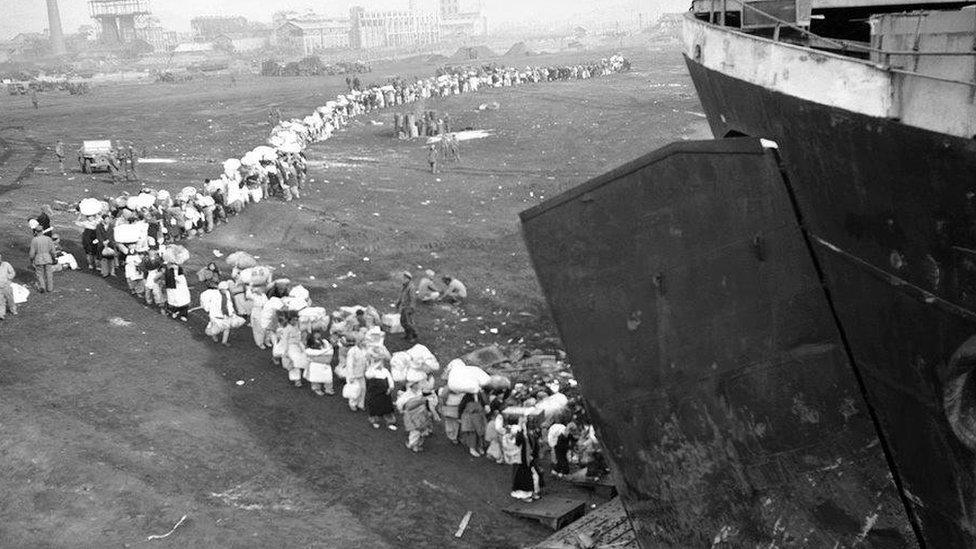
(116, 422)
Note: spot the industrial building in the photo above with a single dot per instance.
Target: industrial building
(210, 26)
(463, 18)
(240, 42)
(119, 19)
(310, 35)
(393, 28)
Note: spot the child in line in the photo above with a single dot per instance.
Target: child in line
(378, 399)
(493, 435)
(419, 414)
(133, 276)
(319, 372)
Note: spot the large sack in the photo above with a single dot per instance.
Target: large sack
(414, 375)
(313, 318)
(466, 379)
(269, 312)
(375, 337)
(294, 303)
(553, 405)
(180, 295)
(210, 300)
(90, 206)
(423, 359)
(256, 276)
(352, 391)
(299, 292)
(20, 292)
(130, 233)
(399, 364)
(392, 323)
(498, 383)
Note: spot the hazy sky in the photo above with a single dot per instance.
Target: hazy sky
(31, 15)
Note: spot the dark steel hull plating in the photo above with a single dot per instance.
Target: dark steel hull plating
(692, 308)
(892, 212)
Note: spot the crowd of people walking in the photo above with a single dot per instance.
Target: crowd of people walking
(336, 350)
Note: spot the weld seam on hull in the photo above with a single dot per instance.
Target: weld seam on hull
(808, 239)
(906, 287)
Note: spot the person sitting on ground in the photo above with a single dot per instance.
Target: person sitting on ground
(427, 292)
(63, 260)
(455, 291)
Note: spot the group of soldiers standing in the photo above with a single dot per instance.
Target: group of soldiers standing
(122, 160)
(125, 160)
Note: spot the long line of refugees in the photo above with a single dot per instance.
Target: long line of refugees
(296, 133)
(340, 351)
(310, 349)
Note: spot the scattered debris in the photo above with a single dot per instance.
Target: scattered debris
(167, 534)
(464, 525)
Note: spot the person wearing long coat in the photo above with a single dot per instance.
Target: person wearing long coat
(355, 373)
(526, 478)
(378, 399)
(473, 423)
(293, 357)
(104, 236)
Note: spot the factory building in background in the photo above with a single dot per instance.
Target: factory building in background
(309, 33)
(422, 22)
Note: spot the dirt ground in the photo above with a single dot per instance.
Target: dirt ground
(115, 422)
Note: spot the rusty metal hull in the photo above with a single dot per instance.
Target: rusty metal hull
(692, 308)
(891, 210)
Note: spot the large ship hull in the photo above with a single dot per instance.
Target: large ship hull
(694, 315)
(891, 212)
(776, 346)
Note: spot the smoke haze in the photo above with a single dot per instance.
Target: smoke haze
(31, 15)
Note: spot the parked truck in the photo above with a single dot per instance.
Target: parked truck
(95, 155)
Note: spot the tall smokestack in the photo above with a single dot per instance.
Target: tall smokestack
(54, 27)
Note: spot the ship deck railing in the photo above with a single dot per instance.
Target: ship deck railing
(718, 17)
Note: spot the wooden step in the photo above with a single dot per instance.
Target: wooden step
(606, 526)
(553, 511)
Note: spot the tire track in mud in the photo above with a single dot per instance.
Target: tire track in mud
(9, 148)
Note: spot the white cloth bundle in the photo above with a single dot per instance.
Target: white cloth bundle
(553, 405)
(130, 233)
(392, 323)
(294, 303)
(319, 368)
(21, 293)
(269, 311)
(465, 379)
(299, 292)
(90, 206)
(400, 363)
(180, 295)
(140, 201)
(422, 359)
